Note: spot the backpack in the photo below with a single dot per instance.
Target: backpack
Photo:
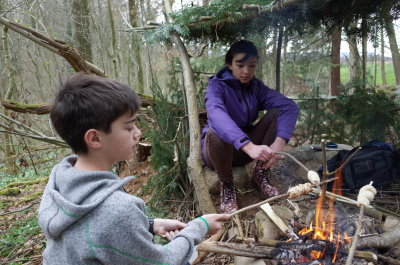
(375, 161)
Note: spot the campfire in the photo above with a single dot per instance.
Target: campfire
(331, 237)
(325, 232)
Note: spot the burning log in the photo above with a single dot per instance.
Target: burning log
(273, 249)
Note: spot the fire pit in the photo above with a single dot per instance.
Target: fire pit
(330, 238)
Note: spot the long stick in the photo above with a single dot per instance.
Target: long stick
(281, 196)
(356, 236)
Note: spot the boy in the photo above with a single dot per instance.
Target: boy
(85, 214)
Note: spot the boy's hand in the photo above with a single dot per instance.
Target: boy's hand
(215, 221)
(167, 227)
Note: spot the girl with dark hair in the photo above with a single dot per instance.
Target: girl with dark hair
(233, 100)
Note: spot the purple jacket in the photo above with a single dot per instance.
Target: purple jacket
(230, 107)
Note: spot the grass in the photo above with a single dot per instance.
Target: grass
(389, 70)
(21, 240)
(18, 237)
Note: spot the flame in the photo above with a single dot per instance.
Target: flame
(325, 222)
(347, 239)
(337, 248)
(305, 231)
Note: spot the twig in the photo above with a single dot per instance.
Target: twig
(236, 219)
(356, 236)
(22, 125)
(328, 173)
(214, 237)
(345, 162)
(30, 156)
(281, 196)
(294, 159)
(20, 210)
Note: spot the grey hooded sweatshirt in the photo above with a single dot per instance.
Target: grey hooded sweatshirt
(88, 218)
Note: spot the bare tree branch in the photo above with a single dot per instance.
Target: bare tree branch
(68, 52)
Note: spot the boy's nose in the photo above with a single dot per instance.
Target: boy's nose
(138, 133)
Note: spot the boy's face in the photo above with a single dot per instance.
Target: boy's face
(118, 145)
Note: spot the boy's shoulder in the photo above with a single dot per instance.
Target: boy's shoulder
(121, 201)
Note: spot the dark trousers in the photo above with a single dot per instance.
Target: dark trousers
(222, 156)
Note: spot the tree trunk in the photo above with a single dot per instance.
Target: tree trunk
(278, 59)
(354, 60)
(383, 73)
(285, 60)
(133, 18)
(335, 61)
(393, 48)
(114, 52)
(195, 168)
(364, 41)
(274, 56)
(9, 151)
(80, 11)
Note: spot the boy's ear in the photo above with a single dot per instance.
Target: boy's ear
(92, 139)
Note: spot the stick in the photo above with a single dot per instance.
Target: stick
(20, 210)
(236, 219)
(217, 236)
(370, 210)
(294, 159)
(328, 173)
(356, 236)
(345, 162)
(273, 252)
(260, 252)
(278, 221)
(281, 196)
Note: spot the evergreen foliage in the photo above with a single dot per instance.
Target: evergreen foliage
(368, 113)
(169, 143)
(228, 21)
(356, 117)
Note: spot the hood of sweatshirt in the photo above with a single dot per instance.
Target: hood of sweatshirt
(71, 193)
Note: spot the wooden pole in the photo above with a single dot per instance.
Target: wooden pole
(356, 236)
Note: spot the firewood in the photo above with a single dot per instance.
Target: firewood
(217, 236)
(260, 252)
(278, 221)
(266, 252)
(383, 241)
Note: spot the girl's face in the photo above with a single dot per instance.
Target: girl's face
(243, 71)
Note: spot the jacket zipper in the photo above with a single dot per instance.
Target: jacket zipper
(247, 106)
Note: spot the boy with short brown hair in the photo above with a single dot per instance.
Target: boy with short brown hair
(85, 214)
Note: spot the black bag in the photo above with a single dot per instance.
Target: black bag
(376, 161)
